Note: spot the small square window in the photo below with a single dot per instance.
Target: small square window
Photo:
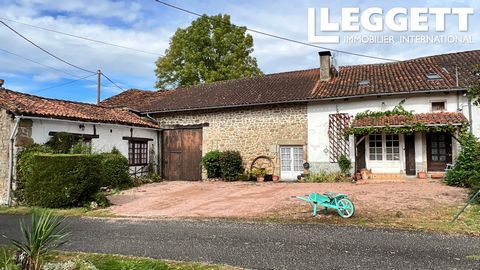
(438, 106)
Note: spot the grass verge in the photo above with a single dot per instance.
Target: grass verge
(71, 212)
(112, 262)
(435, 220)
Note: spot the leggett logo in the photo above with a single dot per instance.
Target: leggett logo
(374, 19)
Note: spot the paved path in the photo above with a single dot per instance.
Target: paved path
(267, 246)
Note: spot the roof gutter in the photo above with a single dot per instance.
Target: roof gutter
(85, 122)
(303, 100)
(11, 144)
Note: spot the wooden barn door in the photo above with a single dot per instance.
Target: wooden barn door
(182, 153)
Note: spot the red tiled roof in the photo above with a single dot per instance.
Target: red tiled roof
(402, 77)
(29, 105)
(429, 119)
(273, 88)
(298, 86)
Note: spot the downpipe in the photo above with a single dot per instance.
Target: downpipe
(11, 144)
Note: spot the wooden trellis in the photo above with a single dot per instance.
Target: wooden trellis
(338, 137)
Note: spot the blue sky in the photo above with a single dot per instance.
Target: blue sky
(147, 25)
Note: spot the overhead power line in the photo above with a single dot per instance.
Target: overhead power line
(280, 37)
(106, 77)
(47, 52)
(58, 58)
(62, 84)
(38, 63)
(46, 66)
(81, 37)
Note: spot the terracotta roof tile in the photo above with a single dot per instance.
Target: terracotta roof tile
(429, 119)
(29, 105)
(297, 86)
(273, 88)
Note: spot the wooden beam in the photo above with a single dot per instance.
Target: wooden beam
(138, 139)
(80, 135)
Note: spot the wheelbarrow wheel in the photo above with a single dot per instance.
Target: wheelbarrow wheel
(345, 208)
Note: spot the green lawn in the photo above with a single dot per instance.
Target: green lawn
(433, 219)
(71, 212)
(116, 262)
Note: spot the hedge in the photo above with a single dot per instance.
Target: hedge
(60, 180)
(231, 165)
(211, 163)
(114, 170)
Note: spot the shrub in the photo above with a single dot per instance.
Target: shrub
(62, 142)
(81, 147)
(345, 164)
(60, 180)
(325, 177)
(211, 163)
(114, 170)
(231, 165)
(23, 158)
(44, 234)
(463, 173)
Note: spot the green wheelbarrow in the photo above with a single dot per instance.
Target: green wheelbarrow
(339, 202)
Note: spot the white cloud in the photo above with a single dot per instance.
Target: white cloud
(148, 26)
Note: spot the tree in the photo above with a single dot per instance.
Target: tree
(210, 49)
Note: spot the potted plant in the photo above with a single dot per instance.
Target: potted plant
(364, 172)
(259, 174)
(275, 178)
(422, 174)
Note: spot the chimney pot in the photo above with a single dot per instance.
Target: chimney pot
(325, 65)
(2, 82)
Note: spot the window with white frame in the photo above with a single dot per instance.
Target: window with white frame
(438, 106)
(392, 147)
(375, 146)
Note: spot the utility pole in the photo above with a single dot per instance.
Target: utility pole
(99, 77)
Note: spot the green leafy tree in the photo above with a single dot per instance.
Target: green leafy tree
(210, 49)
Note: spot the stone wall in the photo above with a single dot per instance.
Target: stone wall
(253, 131)
(6, 126)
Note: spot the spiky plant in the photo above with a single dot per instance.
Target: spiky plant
(45, 234)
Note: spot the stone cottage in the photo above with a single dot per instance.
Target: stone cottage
(313, 116)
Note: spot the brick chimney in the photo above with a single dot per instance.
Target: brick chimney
(325, 66)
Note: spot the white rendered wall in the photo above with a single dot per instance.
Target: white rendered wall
(110, 136)
(318, 112)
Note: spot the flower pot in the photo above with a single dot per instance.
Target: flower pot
(260, 178)
(358, 176)
(364, 173)
(422, 175)
(275, 178)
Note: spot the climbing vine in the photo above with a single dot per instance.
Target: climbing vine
(473, 92)
(397, 110)
(418, 127)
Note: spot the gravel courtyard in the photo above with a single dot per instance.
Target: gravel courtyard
(255, 200)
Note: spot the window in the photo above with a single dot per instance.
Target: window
(375, 146)
(363, 82)
(291, 158)
(438, 106)
(137, 153)
(433, 76)
(392, 147)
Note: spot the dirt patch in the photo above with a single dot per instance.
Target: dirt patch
(247, 199)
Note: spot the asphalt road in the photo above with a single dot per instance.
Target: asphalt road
(267, 246)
